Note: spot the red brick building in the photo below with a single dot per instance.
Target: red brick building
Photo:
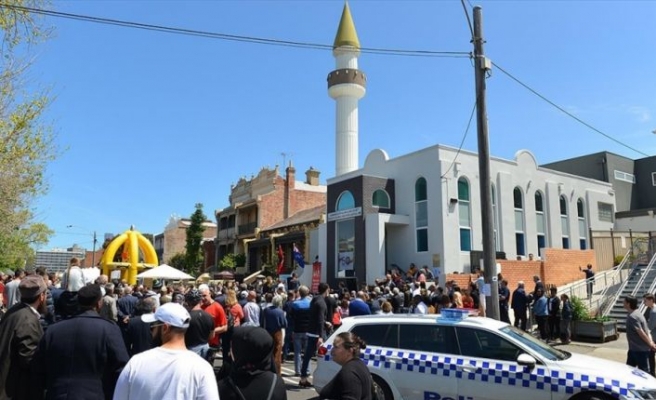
(266, 201)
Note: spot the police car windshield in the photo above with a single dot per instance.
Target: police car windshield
(538, 346)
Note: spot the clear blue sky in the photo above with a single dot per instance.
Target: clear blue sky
(152, 123)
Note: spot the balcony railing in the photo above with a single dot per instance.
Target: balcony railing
(245, 229)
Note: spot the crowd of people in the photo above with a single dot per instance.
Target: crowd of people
(81, 333)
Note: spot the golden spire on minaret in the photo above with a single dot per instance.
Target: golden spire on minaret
(346, 34)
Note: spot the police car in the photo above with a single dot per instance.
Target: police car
(455, 357)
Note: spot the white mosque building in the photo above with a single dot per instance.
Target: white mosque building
(424, 207)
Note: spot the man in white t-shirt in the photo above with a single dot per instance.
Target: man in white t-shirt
(185, 374)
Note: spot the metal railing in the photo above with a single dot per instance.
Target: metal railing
(652, 287)
(642, 251)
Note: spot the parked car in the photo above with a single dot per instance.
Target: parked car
(455, 356)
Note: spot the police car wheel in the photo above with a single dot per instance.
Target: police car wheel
(592, 396)
(384, 386)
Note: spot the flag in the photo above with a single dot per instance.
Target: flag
(298, 257)
(281, 260)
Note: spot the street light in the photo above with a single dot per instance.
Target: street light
(93, 255)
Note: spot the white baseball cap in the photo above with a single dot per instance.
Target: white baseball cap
(171, 314)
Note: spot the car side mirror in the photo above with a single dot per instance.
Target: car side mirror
(526, 360)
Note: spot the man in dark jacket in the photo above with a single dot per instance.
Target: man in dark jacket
(316, 330)
(81, 357)
(20, 332)
(519, 304)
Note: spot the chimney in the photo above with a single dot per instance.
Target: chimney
(312, 177)
(290, 185)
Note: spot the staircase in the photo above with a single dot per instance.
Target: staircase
(640, 279)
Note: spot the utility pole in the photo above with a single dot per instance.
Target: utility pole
(93, 255)
(481, 66)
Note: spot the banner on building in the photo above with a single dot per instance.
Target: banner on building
(316, 276)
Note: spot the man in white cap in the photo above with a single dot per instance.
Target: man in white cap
(169, 371)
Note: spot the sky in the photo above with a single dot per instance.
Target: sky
(150, 123)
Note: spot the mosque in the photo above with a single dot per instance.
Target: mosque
(423, 207)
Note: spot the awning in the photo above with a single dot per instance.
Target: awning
(259, 243)
(290, 238)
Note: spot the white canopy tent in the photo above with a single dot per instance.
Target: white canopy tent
(165, 272)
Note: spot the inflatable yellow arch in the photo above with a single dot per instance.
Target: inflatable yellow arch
(132, 241)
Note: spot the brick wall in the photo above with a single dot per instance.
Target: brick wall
(272, 205)
(558, 268)
(562, 266)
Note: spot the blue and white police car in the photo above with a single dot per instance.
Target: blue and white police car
(474, 358)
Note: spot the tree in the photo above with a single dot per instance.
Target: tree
(26, 141)
(193, 255)
(21, 245)
(178, 261)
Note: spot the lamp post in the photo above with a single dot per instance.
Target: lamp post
(93, 254)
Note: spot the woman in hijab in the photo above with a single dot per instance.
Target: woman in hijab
(252, 376)
(353, 381)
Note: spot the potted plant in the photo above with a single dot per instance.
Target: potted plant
(586, 327)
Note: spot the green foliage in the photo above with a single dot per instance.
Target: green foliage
(177, 261)
(232, 261)
(193, 254)
(26, 142)
(617, 260)
(579, 310)
(20, 245)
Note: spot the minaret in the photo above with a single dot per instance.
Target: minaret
(346, 84)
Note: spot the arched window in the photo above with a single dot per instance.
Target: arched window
(421, 214)
(564, 222)
(464, 214)
(540, 221)
(583, 226)
(345, 237)
(345, 201)
(495, 219)
(520, 241)
(380, 199)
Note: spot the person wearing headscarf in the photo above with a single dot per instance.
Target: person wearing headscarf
(252, 375)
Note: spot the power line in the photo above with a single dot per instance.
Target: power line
(462, 142)
(236, 38)
(469, 23)
(569, 114)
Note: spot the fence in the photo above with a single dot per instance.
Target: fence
(609, 245)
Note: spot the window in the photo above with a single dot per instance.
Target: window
(520, 242)
(605, 212)
(379, 335)
(380, 199)
(484, 344)
(345, 247)
(428, 338)
(564, 222)
(231, 221)
(540, 221)
(583, 226)
(464, 213)
(345, 201)
(421, 214)
(495, 219)
(624, 176)
(653, 178)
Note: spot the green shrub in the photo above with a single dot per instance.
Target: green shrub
(618, 260)
(579, 310)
